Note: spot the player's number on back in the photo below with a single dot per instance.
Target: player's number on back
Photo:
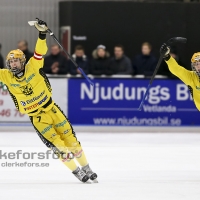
(39, 118)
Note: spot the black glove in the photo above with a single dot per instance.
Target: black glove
(164, 51)
(40, 22)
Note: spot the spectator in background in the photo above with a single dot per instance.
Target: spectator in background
(1, 60)
(23, 46)
(55, 63)
(120, 64)
(100, 63)
(81, 59)
(164, 70)
(145, 62)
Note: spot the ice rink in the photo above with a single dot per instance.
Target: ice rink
(140, 166)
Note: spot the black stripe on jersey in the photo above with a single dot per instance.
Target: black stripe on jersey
(191, 90)
(45, 141)
(46, 80)
(13, 98)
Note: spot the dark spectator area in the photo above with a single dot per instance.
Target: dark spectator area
(107, 62)
(102, 61)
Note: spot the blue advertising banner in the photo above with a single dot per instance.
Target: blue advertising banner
(116, 101)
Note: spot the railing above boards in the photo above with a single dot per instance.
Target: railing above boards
(105, 76)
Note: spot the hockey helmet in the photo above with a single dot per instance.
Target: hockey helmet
(15, 54)
(195, 61)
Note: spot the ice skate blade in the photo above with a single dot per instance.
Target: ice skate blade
(95, 181)
(87, 182)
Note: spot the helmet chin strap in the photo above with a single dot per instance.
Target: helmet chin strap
(19, 73)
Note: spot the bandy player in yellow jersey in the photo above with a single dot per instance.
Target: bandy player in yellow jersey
(31, 92)
(190, 78)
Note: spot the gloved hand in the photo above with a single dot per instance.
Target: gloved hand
(164, 51)
(41, 26)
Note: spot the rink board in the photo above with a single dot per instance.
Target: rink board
(115, 102)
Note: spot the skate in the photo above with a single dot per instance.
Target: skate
(90, 173)
(81, 175)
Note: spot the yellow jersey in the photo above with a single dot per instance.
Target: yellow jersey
(31, 92)
(190, 78)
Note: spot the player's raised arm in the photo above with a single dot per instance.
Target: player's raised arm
(41, 45)
(179, 71)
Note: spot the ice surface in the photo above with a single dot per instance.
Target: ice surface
(139, 166)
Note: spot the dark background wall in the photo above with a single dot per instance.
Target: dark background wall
(131, 24)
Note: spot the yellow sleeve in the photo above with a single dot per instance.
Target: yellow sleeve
(37, 60)
(5, 76)
(179, 71)
(41, 47)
